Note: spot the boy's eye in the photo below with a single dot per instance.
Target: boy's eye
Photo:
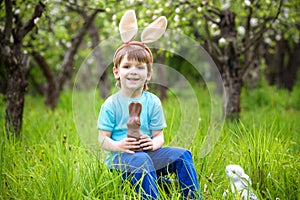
(141, 67)
(126, 66)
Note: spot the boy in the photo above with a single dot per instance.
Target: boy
(132, 70)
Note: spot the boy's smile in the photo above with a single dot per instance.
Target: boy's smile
(133, 76)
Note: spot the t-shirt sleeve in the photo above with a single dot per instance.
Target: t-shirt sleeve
(157, 118)
(106, 119)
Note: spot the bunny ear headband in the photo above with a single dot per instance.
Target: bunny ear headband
(128, 29)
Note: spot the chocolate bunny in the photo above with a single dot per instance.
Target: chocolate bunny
(134, 122)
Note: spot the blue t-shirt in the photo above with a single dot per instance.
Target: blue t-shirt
(114, 115)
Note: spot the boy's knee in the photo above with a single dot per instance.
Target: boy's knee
(181, 153)
(141, 160)
(187, 154)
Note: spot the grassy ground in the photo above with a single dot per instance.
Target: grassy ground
(50, 161)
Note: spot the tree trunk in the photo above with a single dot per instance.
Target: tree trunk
(230, 66)
(12, 57)
(3, 77)
(161, 76)
(287, 73)
(15, 93)
(104, 82)
(274, 61)
(67, 65)
(282, 66)
(51, 82)
(233, 89)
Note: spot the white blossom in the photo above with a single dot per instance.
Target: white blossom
(296, 38)
(268, 40)
(67, 18)
(216, 32)
(154, 17)
(68, 44)
(247, 2)
(241, 30)
(278, 37)
(176, 18)
(286, 12)
(158, 11)
(35, 21)
(54, 11)
(199, 9)
(177, 10)
(214, 26)
(254, 21)
(90, 61)
(222, 40)
(17, 11)
(226, 5)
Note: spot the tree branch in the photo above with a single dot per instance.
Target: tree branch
(39, 9)
(8, 20)
(75, 6)
(67, 64)
(44, 66)
(209, 45)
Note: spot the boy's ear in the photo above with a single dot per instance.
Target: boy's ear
(116, 73)
(149, 75)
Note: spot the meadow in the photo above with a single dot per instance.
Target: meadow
(50, 161)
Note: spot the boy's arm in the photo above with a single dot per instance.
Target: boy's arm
(110, 145)
(158, 139)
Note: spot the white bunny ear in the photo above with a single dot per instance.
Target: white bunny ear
(154, 30)
(128, 26)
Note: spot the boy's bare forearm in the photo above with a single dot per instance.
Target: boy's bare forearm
(158, 139)
(126, 145)
(107, 143)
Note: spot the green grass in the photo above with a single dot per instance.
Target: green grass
(50, 161)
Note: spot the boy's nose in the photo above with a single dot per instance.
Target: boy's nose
(133, 70)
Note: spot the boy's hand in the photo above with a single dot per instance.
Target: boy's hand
(128, 145)
(146, 143)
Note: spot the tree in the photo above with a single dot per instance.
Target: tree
(55, 82)
(12, 57)
(281, 47)
(104, 83)
(231, 33)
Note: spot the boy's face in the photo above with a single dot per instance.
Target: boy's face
(132, 74)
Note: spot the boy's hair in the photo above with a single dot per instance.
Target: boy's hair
(135, 51)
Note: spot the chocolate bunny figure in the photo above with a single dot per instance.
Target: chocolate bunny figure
(133, 122)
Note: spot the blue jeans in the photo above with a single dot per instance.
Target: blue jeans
(144, 167)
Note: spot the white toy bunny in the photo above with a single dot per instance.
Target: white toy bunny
(239, 182)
